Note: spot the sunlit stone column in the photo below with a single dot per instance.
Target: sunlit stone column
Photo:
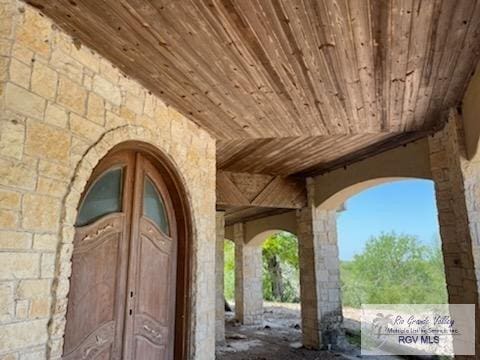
(457, 190)
(219, 276)
(319, 274)
(248, 279)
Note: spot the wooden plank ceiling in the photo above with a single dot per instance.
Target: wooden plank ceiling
(287, 86)
(245, 214)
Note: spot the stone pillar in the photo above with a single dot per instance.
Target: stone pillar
(457, 187)
(248, 279)
(219, 275)
(319, 274)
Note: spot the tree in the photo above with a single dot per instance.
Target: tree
(280, 264)
(229, 269)
(394, 269)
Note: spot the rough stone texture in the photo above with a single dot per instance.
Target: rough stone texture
(47, 141)
(457, 188)
(219, 278)
(24, 102)
(248, 279)
(319, 273)
(61, 110)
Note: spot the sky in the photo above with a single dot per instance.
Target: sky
(406, 207)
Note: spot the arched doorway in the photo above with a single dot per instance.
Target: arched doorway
(129, 269)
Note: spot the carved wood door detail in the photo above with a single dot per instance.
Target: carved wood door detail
(122, 294)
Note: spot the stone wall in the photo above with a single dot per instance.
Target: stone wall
(457, 187)
(319, 273)
(62, 107)
(248, 278)
(219, 278)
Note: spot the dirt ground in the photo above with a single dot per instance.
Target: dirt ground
(280, 335)
(278, 338)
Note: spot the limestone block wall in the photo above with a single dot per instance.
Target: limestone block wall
(319, 273)
(62, 107)
(457, 187)
(219, 278)
(457, 192)
(248, 278)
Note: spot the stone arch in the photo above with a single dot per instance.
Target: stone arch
(258, 239)
(249, 269)
(335, 201)
(275, 223)
(405, 162)
(470, 109)
(145, 139)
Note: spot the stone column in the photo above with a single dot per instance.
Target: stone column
(248, 279)
(219, 275)
(457, 188)
(319, 274)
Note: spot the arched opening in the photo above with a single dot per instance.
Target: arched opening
(389, 247)
(280, 278)
(129, 290)
(266, 292)
(321, 231)
(274, 267)
(229, 277)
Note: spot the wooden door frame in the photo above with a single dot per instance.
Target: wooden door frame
(179, 198)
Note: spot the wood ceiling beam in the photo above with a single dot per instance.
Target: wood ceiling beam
(244, 189)
(344, 161)
(246, 214)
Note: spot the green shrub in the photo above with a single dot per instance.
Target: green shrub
(394, 269)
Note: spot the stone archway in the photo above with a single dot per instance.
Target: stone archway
(249, 274)
(144, 140)
(318, 240)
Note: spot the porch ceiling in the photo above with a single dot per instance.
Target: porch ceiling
(302, 155)
(248, 213)
(331, 78)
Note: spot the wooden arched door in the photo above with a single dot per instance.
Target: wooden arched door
(121, 303)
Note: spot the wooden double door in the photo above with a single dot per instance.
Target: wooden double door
(121, 303)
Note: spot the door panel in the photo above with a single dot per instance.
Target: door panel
(152, 314)
(153, 278)
(154, 271)
(123, 285)
(149, 350)
(91, 313)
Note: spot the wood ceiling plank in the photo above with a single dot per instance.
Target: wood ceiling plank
(281, 192)
(242, 65)
(461, 16)
(401, 20)
(290, 85)
(243, 214)
(337, 16)
(287, 156)
(466, 61)
(97, 22)
(228, 193)
(363, 42)
(293, 41)
(264, 69)
(245, 189)
(249, 42)
(363, 153)
(185, 61)
(417, 52)
(381, 29)
(441, 27)
(312, 43)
